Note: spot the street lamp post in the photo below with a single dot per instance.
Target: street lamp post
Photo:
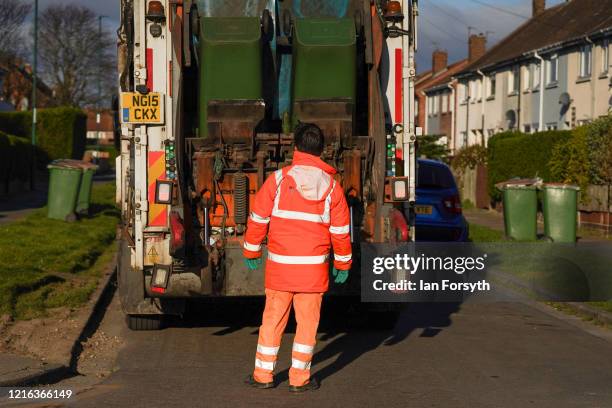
(98, 104)
(34, 69)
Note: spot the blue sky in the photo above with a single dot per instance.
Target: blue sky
(443, 23)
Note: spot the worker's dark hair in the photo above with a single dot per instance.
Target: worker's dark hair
(309, 139)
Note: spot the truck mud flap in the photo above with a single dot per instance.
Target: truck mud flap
(132, 293)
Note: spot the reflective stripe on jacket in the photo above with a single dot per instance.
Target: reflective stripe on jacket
(303, 211)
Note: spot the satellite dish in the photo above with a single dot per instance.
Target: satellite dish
(511, 119)
(564, 100)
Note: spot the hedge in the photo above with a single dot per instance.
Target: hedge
(586, 158)
(16, 123)
(15, 160)
(515, 154)
(60, 132)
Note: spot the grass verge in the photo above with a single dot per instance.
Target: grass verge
(47, 263)
(479, 233)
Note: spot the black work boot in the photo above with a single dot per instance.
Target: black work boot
(256, 384)
(311, 385)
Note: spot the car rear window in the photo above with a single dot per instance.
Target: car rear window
(434, 177)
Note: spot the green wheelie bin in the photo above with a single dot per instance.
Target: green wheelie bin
(64, 185)
(324, 64)
(84, 197)
(520, 212)
(230, 59)
(560, 206)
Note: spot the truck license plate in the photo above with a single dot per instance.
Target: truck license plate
(139, 108)
(422, 209)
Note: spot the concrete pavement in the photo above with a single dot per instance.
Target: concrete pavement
(18, 205)
(19, 370)
(495, 220)
(487, 218)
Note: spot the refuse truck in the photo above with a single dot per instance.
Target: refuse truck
(210, 93)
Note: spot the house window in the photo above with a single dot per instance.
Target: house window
(464, 139)
(476, 137)
(513, 80)
(490, 86)
(462, 94)
(527, 128)
(479, 89)
(526, 78)
(585, 60)
(605, 57)
(472, 91)
(536, 76)
(552, 70)
(444, 102)
(429, 105)
(436, 104)
(451, 102)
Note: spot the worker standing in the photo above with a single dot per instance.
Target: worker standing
(302, 209)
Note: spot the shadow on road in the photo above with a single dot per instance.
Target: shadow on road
(348, 329)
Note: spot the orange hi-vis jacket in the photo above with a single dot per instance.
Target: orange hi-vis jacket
(303, 210)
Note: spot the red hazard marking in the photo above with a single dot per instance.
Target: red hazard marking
(398, 85)
(149, 62)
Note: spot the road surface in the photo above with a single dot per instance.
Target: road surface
(478, 355)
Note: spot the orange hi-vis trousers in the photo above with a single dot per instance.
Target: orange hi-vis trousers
(307, 307)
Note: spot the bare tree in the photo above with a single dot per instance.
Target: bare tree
(12, 16)
(75, 56)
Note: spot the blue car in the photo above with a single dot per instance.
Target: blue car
(438, 205)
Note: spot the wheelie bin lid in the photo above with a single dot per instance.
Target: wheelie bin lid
(560, 186)
(325, 31)
(71, 164)
(519, 183)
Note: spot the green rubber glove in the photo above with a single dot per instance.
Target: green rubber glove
(253, 263)
(341, 276)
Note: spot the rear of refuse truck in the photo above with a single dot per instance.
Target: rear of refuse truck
(210, 93)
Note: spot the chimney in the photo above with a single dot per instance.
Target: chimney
(477, 46)
(439, 61)
(538, 7)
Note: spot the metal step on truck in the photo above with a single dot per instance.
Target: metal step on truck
(210, 93)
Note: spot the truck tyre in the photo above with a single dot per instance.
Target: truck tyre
(148, 322)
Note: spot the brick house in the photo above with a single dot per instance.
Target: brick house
(16, 87)
(100, 127)
(437, 89)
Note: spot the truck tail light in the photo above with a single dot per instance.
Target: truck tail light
(453, 204)
(398, 221)
(177, 229)
(160, 278)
